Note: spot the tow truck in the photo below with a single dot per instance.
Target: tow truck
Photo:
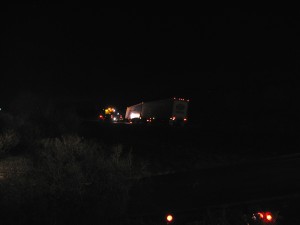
(110, 114)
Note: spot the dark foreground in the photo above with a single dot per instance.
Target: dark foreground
(134, 174)
(254, 170)
(190, 147)
(272, 185)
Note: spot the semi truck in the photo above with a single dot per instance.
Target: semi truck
(171, 111)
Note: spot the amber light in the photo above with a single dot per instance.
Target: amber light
(269, 216)
(169, 218)
(261, 215)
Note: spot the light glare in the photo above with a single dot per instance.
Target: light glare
(169, 218)
(134, 115)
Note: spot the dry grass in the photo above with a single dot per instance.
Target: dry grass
(8, 141)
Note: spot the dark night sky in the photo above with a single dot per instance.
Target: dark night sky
(227, 59)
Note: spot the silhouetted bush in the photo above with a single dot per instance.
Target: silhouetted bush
(51, 117)
(8, 141)
(6, 121)
(72, 181)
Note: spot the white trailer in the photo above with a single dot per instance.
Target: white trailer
(172, 111)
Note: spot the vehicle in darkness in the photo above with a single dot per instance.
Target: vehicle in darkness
(172, 111)
(256, 218)
(110, 114)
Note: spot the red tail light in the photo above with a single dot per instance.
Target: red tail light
(266, 217)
